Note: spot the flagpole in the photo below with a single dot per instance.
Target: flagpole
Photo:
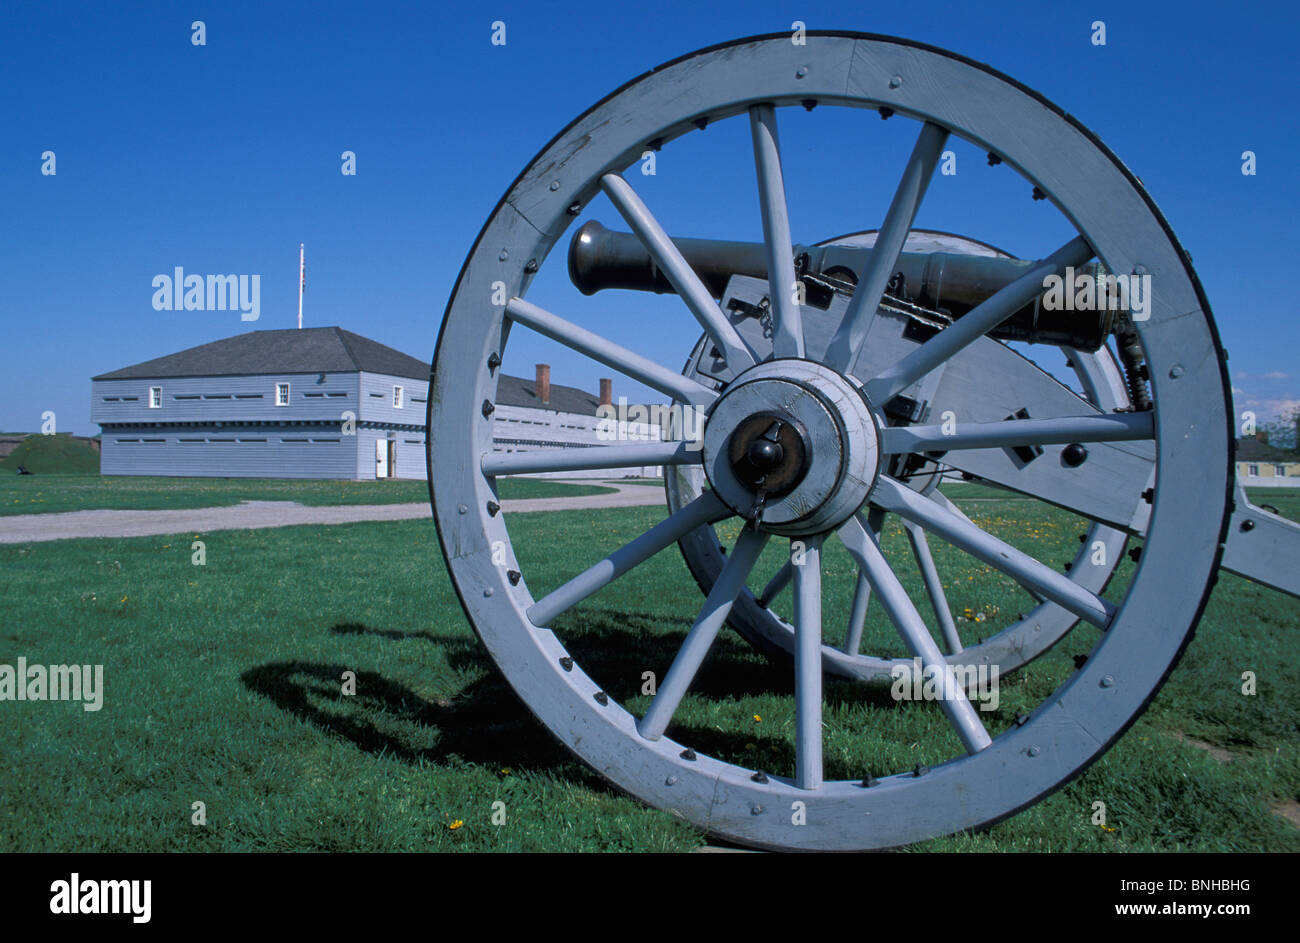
(302, 280)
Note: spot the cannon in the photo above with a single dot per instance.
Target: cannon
(838, 382)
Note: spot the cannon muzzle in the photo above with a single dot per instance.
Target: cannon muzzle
(950, 282)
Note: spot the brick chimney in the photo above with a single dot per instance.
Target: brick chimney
(544, 382)
(606, 391)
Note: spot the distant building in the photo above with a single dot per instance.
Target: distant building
(312, 403)
(542, 415)
(1260, 465)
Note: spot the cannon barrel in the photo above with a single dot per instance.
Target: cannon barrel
(600, 258)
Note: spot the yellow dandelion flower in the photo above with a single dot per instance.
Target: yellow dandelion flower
(455, 825)
(758, 718)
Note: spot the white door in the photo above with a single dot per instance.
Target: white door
(381, 459)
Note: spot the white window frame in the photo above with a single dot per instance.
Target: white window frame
(1252, 471)
(285, 387)
(1279, 471)
(155, 397)
(398, 393)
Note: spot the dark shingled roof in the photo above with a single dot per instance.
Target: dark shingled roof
(310, 350)
(1253, 450)
(514, 391)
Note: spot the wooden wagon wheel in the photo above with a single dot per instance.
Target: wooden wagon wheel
(837, 432)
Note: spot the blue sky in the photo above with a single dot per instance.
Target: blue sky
(223, 158)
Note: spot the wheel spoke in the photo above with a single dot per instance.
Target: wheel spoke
(1100, 427)
(706, 509)
(678, 272)
(787, 326)
(1021, 567)
(858, 615)
(977, 322)
(717, 606)
(591, 457)
(607, 352)
(808, 666)
(862, 594)
(777, 583)
(933, 586)
(862, 545)
(889, 244)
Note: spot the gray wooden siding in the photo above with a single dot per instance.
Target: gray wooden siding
(224, 399)
(229, 452)
(230, 426)
(410, 453)
(376, 399)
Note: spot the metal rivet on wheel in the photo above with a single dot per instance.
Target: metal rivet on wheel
(670, 781)
(688, 754)
(1083, 538)
(1080, 661)
(1107, 681)
(1139, 269)
(809, 104)
(514, 576)
(895, 81)
(462, 508)
(494, 361)
(1021, 719)
(530, 266)
(701, 123)
(868, 781)
(1176, 371)
(759, 777)
(566, 663)
(488, 408)
(574, 209)
(493, 508)
(994, 159)
(801, 72)
(601, 698)
(1034, 751)
(488, 591)
(1068, 567)
(885, 112)
(920, 769)
(1038, 194)
(1247, 525)
(756, 809)
(1135, 554)
(555, 185)
(1149, 495)
(504, 255)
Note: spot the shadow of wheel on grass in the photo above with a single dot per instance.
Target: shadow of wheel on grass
(486, 724)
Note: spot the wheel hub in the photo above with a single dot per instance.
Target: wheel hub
(794, 445)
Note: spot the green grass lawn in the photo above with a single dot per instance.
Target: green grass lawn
(40, 494)
(223, 686)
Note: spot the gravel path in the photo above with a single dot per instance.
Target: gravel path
(250, 515)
